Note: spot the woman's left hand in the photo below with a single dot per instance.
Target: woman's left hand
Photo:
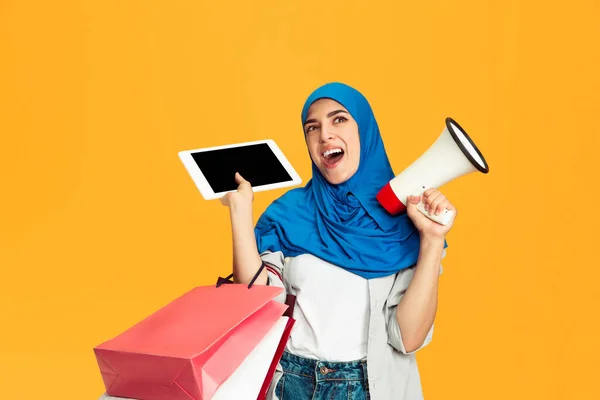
(434, 202)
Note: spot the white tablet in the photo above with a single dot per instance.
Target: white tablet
(261, 163)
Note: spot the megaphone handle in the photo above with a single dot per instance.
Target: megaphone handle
(444, 218)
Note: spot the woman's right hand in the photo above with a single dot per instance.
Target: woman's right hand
(243, 196)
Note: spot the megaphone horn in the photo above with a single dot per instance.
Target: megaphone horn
(452, 155)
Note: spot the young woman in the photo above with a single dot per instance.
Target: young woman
(365, 281)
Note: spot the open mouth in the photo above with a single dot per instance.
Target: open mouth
(333, 156)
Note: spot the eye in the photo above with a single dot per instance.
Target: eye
(309, 128)
(340, 119)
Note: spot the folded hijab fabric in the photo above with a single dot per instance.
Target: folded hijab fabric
(343, 224)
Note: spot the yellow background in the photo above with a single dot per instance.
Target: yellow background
(100, 224)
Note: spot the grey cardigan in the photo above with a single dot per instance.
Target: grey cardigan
(393, 373)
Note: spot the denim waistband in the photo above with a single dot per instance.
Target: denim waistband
(324, 370)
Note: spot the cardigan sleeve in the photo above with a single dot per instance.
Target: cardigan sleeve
(402, 280)
(274, 263)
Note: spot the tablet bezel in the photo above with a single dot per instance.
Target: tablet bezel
(202, 184)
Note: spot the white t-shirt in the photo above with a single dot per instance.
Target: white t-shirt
(331, 311)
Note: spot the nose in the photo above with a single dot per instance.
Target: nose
(326, 133)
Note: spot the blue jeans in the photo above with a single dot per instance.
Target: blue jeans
(307, 379)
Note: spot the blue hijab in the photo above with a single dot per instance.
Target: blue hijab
(343, 224)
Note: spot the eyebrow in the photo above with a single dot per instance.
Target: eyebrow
(331, 114)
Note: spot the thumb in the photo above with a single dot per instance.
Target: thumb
(241, 181)
(413, 200)
(238, 178)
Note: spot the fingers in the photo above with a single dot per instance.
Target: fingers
(225, 199)
(429, 192)
(431, 199)
(435, 202)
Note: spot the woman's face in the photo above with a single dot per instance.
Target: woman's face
(333, 140)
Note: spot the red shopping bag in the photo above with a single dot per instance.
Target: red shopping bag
(190, 347)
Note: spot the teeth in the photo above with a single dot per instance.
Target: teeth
(330, 152)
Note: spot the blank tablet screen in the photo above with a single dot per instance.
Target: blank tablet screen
(256, 163)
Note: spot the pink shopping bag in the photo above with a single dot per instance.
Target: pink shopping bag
(190, 347)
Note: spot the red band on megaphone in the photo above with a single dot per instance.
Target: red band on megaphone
(390, 201)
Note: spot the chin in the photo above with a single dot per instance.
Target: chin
(336, 179)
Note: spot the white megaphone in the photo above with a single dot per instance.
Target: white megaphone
(452, 155)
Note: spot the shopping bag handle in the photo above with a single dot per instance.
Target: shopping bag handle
(229, 278)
